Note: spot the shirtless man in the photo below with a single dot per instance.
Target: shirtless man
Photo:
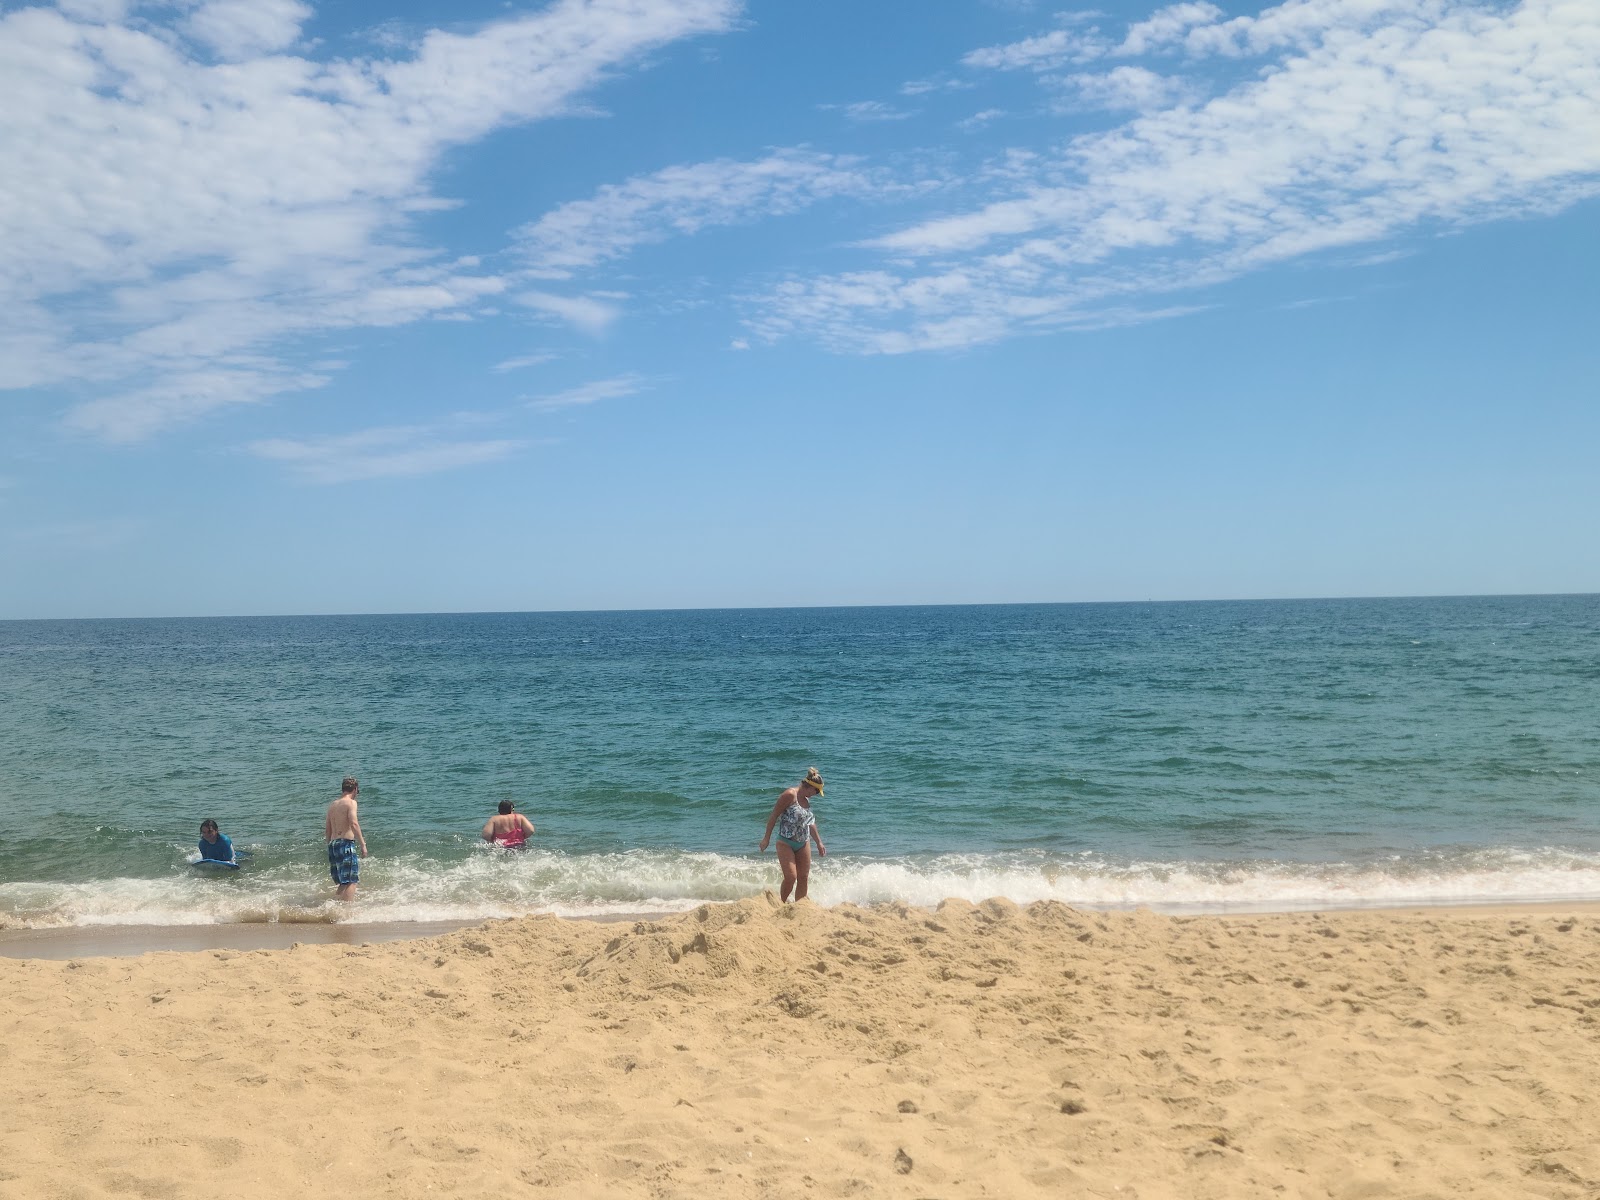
(343, 831)
(509, 828)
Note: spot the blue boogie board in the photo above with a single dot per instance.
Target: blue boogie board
(218, 863)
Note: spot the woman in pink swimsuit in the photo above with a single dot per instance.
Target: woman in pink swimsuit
(509, 829)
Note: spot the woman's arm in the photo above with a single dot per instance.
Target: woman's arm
(816, 834)
(777, 811)
(488, 830)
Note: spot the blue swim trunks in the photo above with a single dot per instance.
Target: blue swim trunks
(344, 864)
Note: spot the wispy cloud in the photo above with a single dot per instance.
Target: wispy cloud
(1313, 302)
(1372, 119)
(523, 363)
(1381, 257)
(180, 396)
(1162, 30)
(943, 83)
(682, 200)
(178, 194)
(392, 451)
(869, 110)
(979, 119)
(1128, 87)
(1041, 52)
(591, 314)
(614, 388)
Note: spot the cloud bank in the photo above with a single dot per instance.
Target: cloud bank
(1368, 119)
(183, 206)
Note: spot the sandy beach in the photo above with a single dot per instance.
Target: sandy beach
(749, 1049)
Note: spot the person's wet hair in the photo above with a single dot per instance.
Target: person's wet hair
(506, 807)
(208, 823)
(349, 785)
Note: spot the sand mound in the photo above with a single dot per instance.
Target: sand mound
(752, 1049)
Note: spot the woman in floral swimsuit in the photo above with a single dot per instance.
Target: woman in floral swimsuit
(797, 827)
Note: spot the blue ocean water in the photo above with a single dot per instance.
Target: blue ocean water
(1263, 754)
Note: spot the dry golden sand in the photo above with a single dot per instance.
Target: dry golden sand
(754, 1050)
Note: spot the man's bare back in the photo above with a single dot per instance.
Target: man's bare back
(342, 822)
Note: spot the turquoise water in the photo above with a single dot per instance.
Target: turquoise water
(1188, 756)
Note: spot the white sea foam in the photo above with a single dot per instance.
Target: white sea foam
(505, 884)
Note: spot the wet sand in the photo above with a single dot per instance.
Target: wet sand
(117, 941)
(752, 1049)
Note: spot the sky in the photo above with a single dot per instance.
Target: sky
(601, 304)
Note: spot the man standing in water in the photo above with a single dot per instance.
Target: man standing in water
(343, 831)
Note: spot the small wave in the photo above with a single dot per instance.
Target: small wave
(503, 884)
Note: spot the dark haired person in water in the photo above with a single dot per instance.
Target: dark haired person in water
(214, 844)
(509, 829)
(797, 825)
(342, 828)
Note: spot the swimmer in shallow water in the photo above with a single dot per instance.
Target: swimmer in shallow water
(214, 844)
(797, 827)
(342, 829)
(509, 828)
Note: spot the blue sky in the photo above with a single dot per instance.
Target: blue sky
(699, 303)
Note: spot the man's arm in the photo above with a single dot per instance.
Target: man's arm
(355, 826)
(327, 825)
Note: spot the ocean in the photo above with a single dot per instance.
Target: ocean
(1190, 757)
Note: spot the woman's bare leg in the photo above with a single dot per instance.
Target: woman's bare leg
(802, 868)
(786, 857)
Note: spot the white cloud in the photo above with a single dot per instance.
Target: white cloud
(161, 211)
(1379, 258)
(869, 110)
(403, 451)
(979, 119)
(1374, 124)
(681, 200)
(177, 397)
(921, 87)
(614, 388)
(1167, 27)
(1303, 23)
(522, 362)
(1045, 51)
(591, 315)
(94, 10)
(241, 29)
(1128, 88)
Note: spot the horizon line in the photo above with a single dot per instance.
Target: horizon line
(511, 612)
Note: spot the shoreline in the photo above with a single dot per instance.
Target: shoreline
(131, 941)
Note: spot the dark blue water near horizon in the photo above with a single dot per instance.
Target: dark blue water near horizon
(1195, 754)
